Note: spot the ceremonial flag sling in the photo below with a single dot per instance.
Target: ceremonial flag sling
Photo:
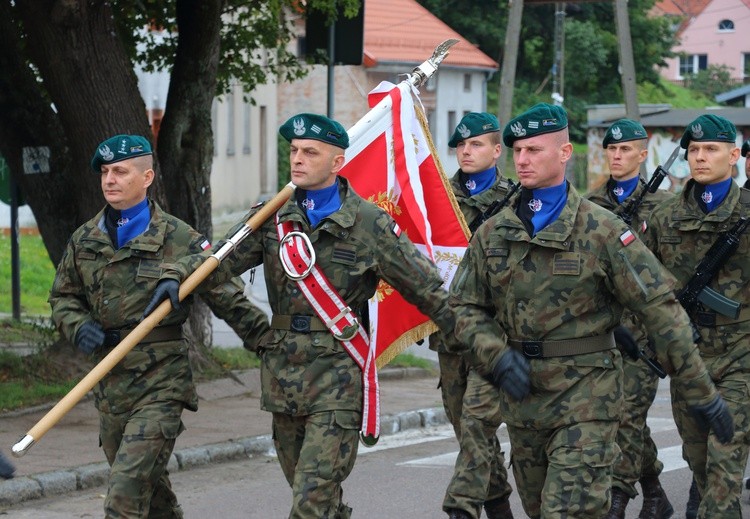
(376, 117)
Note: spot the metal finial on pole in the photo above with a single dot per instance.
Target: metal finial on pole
(425, 71)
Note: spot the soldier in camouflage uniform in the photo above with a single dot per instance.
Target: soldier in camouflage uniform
(537, 294)
(680, 232)
(109, 269)
(310, 383)
(625, 144)
(471, 403)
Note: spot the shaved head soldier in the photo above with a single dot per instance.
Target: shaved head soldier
(541, 287)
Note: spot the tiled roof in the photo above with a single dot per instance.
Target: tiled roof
(688, 8)
(402, 31)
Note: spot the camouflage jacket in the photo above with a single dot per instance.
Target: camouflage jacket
(471, 207)
(356, 247)
(604, 197)
(112, 287)
(680, 234)
(570, 281)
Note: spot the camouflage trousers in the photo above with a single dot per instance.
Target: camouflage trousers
(138, 445)
(479, 474)
(453, 374)
(564, 472)
(638, 452)
(317, 453)
(717, 469)
(472, 407)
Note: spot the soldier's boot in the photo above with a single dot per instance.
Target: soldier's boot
(694, 501)
(655, 502)
(619, 503)
(6, 467)
(455, 513)
(498, 509)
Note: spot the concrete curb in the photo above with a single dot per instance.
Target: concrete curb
(47, 484)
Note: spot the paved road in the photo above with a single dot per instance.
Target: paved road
(405, 475)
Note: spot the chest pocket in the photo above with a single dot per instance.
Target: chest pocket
(498, 266)
(148, 268)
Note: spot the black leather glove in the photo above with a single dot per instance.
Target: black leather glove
(6, 467)
(511, 374)
(90, 337)
(715, 415)
(626, 341)
(167, 288)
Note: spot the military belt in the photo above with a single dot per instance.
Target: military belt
(159, 334)
(298, 323)
(563, 348)
(711, 319)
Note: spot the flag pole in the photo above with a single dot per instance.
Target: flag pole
(418, 76)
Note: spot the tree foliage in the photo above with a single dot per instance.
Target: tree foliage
(67, 82)
(591, 59)
(712, 80)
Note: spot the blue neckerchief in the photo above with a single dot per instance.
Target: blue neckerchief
(476, 183)
(546, 204)
(132, 222)
(320, 203)
(710, 196)
(624, 188)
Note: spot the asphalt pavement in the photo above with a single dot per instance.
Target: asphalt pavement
(229, 425)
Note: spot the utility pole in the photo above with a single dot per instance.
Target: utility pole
(510, 58)
(558, 66)
(627, 66)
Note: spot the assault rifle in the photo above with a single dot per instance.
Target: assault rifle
(697, 291)
(656, 179)
(494, 207)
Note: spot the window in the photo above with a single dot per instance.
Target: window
(246, 128)
(746, 64)
(726, 26)
(467, 82)
(230, 123)
(692, 64)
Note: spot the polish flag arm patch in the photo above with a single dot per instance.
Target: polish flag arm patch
(205, 245)
(627, 237)
(396, 229)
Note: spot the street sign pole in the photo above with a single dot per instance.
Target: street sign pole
(15, 271)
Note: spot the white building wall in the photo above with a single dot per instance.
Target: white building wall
(453, 101)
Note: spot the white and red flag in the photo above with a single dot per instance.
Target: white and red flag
(391, 162)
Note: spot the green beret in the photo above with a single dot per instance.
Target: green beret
(708, 128)
(473, 124)
(119, 147)
(624, 130)
(745, 148)
(537, 120)
(317, 127)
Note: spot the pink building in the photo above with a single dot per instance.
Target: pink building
(710, 32)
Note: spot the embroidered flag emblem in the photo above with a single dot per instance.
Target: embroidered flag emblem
(627, 237)
(205, 244)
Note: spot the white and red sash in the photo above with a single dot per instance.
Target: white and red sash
(338, 318)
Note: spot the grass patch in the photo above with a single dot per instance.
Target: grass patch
(18, 395)
(407, 360)
(235, 358)
(36, 275)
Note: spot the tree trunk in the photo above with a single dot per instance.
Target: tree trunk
(83, 90)
(89, 79)
(185, 137)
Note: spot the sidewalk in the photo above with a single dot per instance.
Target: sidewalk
(229, 425)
